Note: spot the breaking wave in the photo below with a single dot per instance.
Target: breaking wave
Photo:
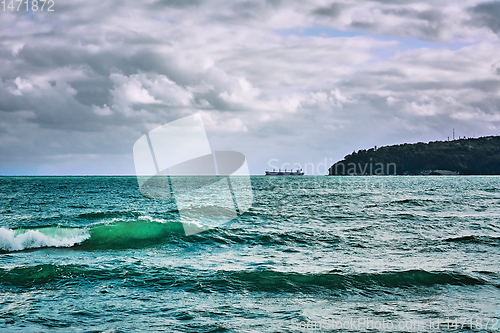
(50, 236)
(113, 235)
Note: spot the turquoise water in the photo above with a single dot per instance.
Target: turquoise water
(92, 254)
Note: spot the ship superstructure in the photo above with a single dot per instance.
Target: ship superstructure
(285, 172)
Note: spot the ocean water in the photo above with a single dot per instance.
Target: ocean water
(356, 254)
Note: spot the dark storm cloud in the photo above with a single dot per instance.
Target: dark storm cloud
(249, 11)
(52, 107)
(399, 2)
(486, 14)
(93, 91)
(435, 21)
(425, 24)
(364, 25)
(176, 3)
(495, 68)
(334, 10)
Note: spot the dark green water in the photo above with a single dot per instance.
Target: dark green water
(91, 254)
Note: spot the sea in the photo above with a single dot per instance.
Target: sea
(311, 254)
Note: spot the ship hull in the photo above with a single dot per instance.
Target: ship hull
(283, 173)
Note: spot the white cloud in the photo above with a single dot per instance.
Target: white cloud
(22, 85)
(131, 90)
(243, 94)
(102, 111)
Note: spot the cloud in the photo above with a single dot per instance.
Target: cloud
(436, 21)
(495, 68)
(291, 80)
(487, 14)
(333, 10)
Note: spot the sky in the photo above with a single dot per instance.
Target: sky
(298, 82)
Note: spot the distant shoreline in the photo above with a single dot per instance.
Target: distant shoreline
(473, 156)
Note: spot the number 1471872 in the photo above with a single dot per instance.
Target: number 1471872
(27, 5)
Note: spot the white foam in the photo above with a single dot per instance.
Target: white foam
(140, 218)
(16, 240)
(151, 219)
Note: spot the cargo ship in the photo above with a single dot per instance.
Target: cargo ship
(286, 172)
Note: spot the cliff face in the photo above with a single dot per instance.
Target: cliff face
(480, 156)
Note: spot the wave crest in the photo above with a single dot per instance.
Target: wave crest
(52, 236)
(233, 281)
(114, 235)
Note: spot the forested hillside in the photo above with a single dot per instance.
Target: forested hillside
(477, 156)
